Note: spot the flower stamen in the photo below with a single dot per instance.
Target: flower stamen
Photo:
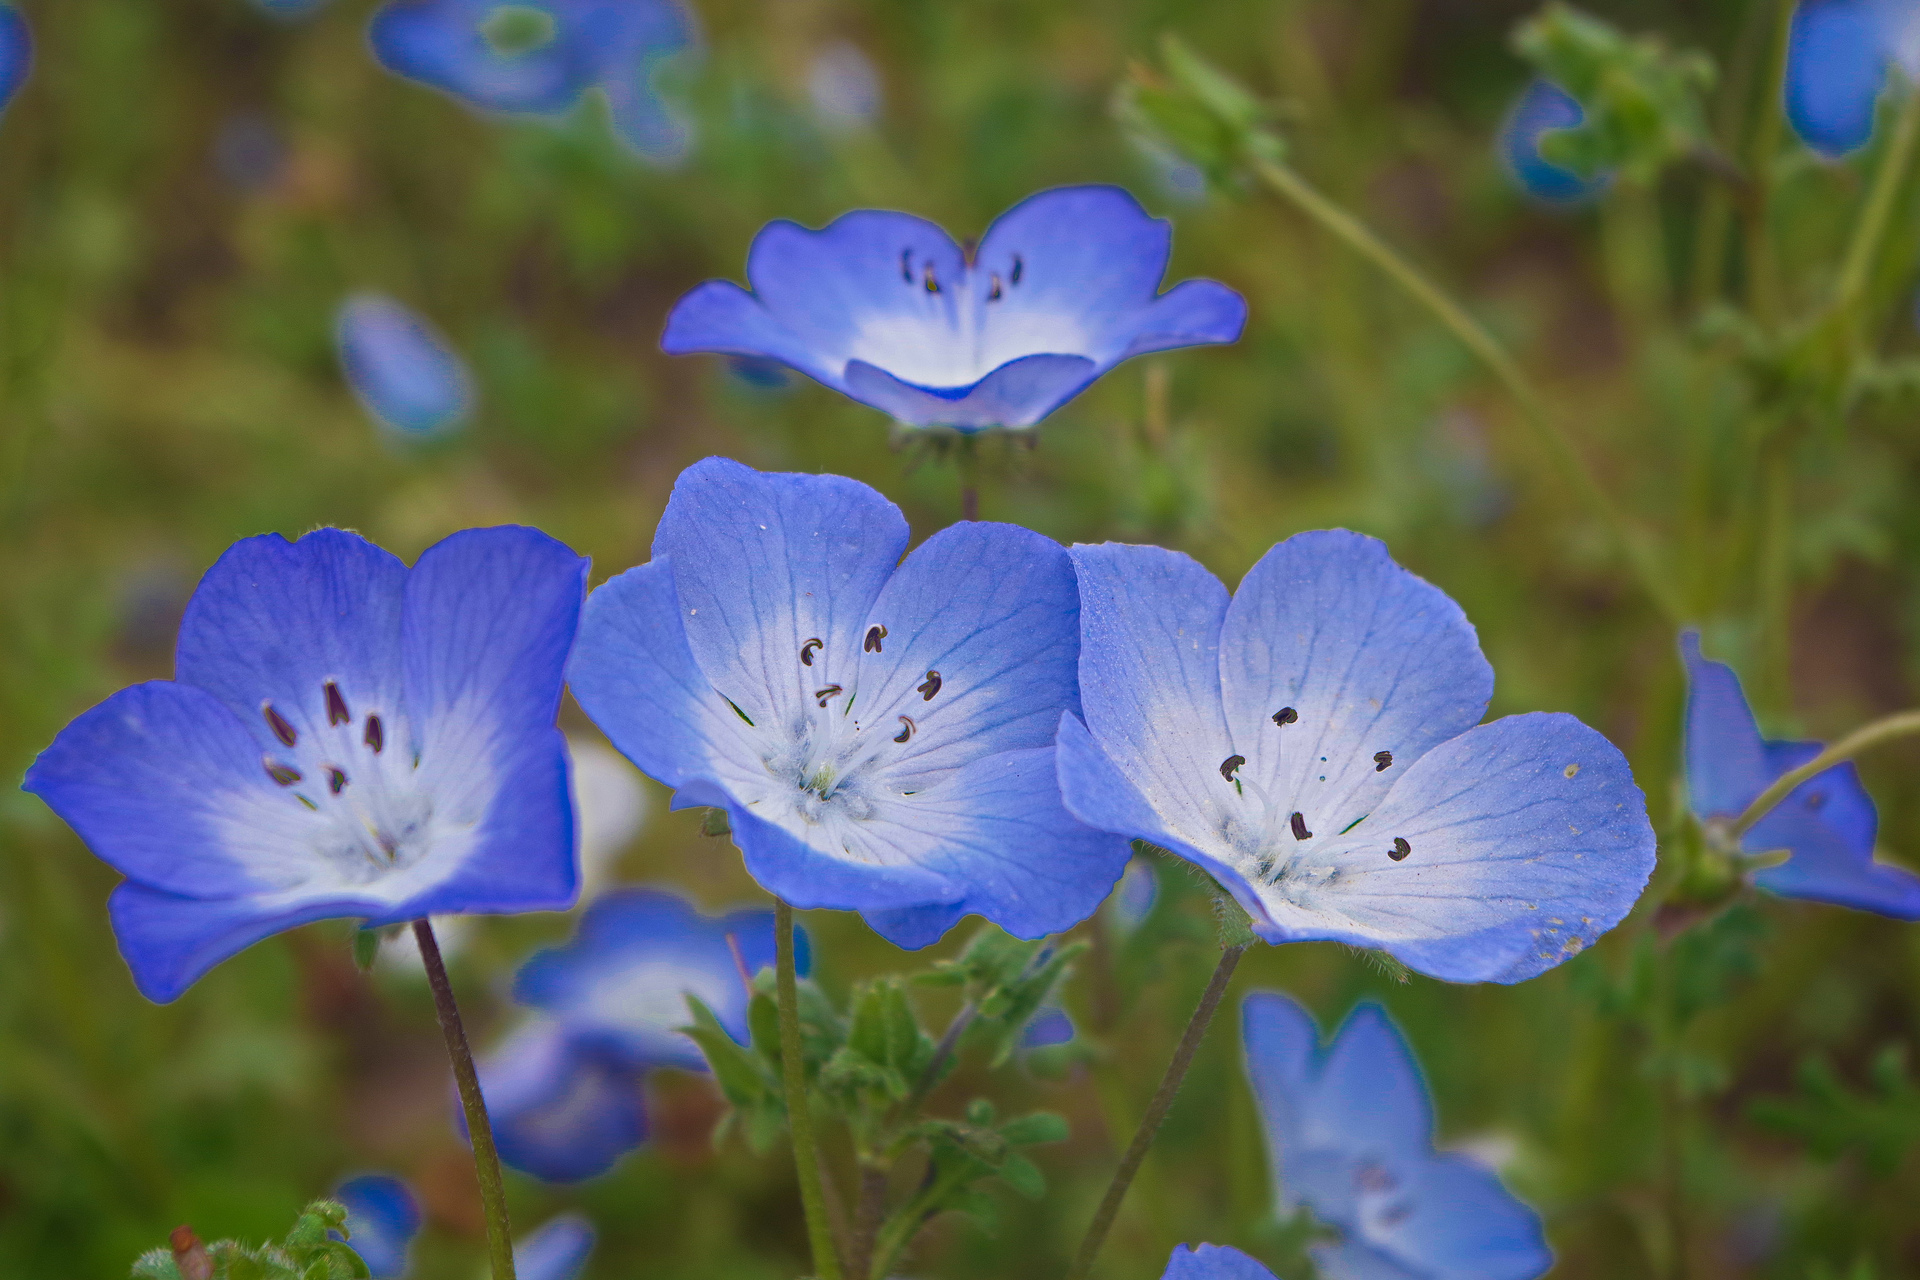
(337, 712)
(1382, 761)
(278, 723)
(1400, 849)
(1285, 716)
(807, 649)
(875, 634)
(1299, 824)
(928, 687)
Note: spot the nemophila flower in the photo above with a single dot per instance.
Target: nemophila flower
(1826, 825)
(1350, 1136)
(1217, 1262)
(404, 373)
(1134, 897)
(1838, 60)
(1541, 108)
(886, 308)
(843, 86)
(1314, 743)
(382, 1220)
(16, 52)
(558, 1250)
(879, 731)
(1052, 1025)
(344, 736)
(538, 57)
(563, 1107)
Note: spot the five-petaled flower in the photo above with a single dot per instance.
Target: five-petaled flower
(886, 308)
(538, 57)
(1838, 59)
(1350, 1135)
(343, 737)
(1826, 825)
(1312, 743)
(879, 731)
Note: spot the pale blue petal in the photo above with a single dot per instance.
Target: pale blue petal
(1541, 108)
(1017, 394)
(811, 878)
(1193, 313)
(382, 1220)
(561, 1109)
(16, 52)
(1455, 1221)
(441, 43)
(1213, 1262)
(721, 317)
(1725, 756)
(404, 373)
(169, 942)
(1836, 68)
(557, 1251)
(1828, 824)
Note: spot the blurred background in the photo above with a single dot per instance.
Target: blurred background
(189, 192)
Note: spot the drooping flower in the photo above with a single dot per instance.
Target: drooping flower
(1315, 744)
(1350, 1135)
(1216, 1262)
(1838, 63)
(403, 373)
(344, 736)
(879, 732)
(538, 57)
(16, 52)
(887, 309)
(1541, 108)
(1826, 825)
(563, 1108)
(382, 1220)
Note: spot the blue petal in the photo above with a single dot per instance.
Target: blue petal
(721, 317)
(557, 1251)
(1463, 1225)
(1051, 1026)
(1542, 107)
(561, 1109)
(649, 33)
(1352, 1260)
(1836, 68)
(442, 43)
(169, 941)
(1726, 758)
(1282, 1044)
(382, 1220)
(1134, 897)
(1017, 394)
(405, 374)
(1213, 1262)
(1193, 313)
(16, 52)
(809, 878)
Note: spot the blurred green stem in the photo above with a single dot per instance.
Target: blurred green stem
(1763, 275)
(806, 1156)
(1156, 1112)
(1857, 271)
(1776, 571)
(1900, 725)
(486, 1160)
(1302, 195)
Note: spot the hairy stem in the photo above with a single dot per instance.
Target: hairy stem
(868, 1214)
(806, 1156)
(1156, 1112)
(486, 1159)
(1904, 724)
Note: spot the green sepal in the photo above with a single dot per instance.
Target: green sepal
(714, 822)
(1191, 108)
(1035, 1129)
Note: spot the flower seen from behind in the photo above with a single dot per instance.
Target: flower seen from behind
(1315, 744)
(344, 736)
(1826, 825)
(880, 732)
(402, 371)
(1542, 107)
(887, 309)
(1350, 1136)
(1838, 60)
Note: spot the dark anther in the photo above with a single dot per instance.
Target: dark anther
(1817, 801)
(906, 265)
(993, 287)
(806, 651)
(1228, 765)
(285, 775)
(337, 712)
(830, 691)
(929, 686)
(1019, 269)
(1400, 849)
(376, 735)
(1285, 716)
(278, 723)
(1382, 761)
(336, 780)
(875, 634)
(907, 731)
(1300, 831)
(932, 282)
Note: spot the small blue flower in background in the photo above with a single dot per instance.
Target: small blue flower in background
(1542, 107)
(539, 56)
(344, 737)
(886, 308)
(1133, 898)
(844, 86)
(558, 1250)
(1217, 1262)
(1051, 1026)
(563, 1109)
(880, 732)
(1837, 65)
(404, 373)
(1827, 824)
(383, 1218)
(1315, 744)
(16, 52)
(1350, 1136)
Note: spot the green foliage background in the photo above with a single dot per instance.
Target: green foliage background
(1734, 1104)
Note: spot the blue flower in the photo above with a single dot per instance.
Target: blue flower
(1051, 1026)
(382, 1220)
(16, 52)
(403, 373)
(624, 980)
(1134, 897)
(879, 732)
(469, 48)
(1543, 107)
(557, 1251)
(563, 1107)
(344, 737)
(1350, 1136)
(1312, 743)
(1837, 64)
(1827, 824)
(886, 308)
(1216, 1262)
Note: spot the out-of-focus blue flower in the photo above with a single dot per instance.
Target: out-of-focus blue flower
(539, 56)
(844, 86)
(1051, 1026)
(1133, 898)
(1827, 824)
(624, 979)
(557, 1251)
(16, 52)
(1217, 1262)
(563, 1107)
(880, 732)
(404, 373)
(886, 308)
(1350, 1135)
(1542, 107)
(249, 152)
(1312, 744)
(1837, 64)
(345, 737)
(289, 8)
(382, 1220)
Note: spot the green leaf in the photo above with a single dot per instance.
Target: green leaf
(366, 948)
(1023, 1176)
(1032, 1130)
(741, 1074)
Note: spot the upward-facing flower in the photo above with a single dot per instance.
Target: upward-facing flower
(1826, 825)
(1312, 743)
(1350, 1135)
(879, 732)
(886, 308)
(1837, 65)
(344, 737)
(16, 52)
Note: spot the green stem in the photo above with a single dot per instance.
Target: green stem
(486, 1160)
(1763, 274)
(1156, 1112)
(1776, 571)
(1900, 725)
(1872, 227)
(1487, 348)
(806, 1156)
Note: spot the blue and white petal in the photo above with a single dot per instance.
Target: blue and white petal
(382, 1219)
(562, 1108)
(405, 374)
(557, 1250)
(443, 43)
(1213, 1262)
